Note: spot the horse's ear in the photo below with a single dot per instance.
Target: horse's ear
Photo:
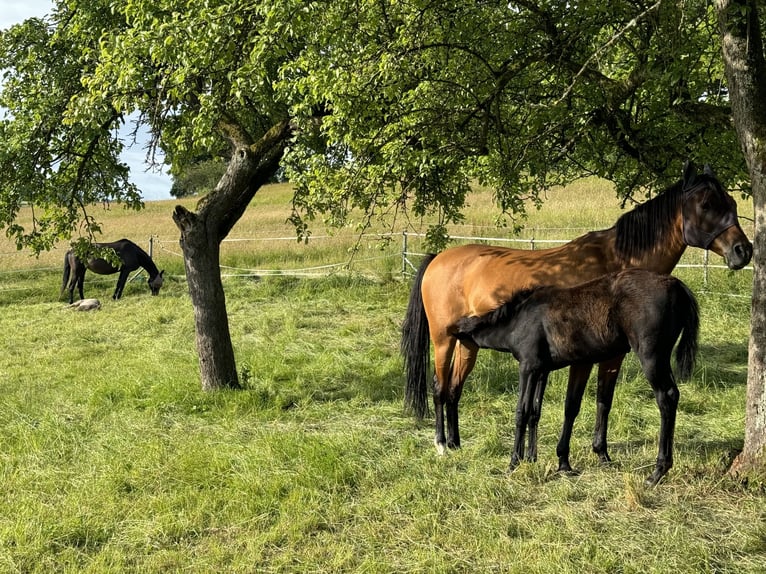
(162, 273)
(709, 171)
(690, 173)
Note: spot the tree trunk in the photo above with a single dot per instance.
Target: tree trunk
(218, 368)
(743, 56)
(201, 234)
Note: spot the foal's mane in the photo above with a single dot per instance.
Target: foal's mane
(645, 226)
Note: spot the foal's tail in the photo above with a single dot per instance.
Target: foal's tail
(415, 347)
(686, 352)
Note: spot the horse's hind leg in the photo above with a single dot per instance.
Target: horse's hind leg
(440, 441)
(443, 351)
(607, 379)
(78, 280)
(578, 379)
(70, 288)
(463, 363)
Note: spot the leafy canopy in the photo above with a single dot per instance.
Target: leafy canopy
(397, 106)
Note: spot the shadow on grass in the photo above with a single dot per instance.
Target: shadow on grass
(720, 365)
(343, 385)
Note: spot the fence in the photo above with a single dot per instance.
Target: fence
(395, 254)
(693, 259)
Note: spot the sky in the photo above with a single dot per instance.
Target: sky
(152, 184)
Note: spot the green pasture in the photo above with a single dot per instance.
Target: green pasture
(114, 460)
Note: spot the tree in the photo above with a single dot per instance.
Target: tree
(520, 97)
(197, 73)
(389, 107)
(742, 42)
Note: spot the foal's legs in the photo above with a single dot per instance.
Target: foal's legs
(531, 387)
(607, 379)
(578, 379)
(666, 393)
(540, 382)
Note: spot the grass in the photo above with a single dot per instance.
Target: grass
(113, 460)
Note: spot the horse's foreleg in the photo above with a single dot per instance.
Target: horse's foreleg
(121, 283)
(607, 379)
(578, 379)
(540, 380)
(464, 361)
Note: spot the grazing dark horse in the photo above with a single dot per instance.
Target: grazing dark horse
(472, 280)
(131, 257)
(547, 328)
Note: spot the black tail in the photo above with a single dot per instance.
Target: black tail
(415, 347)
(686, 352)
(67, 271)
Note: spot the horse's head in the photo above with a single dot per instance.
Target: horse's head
(710, 218)
(156, 283)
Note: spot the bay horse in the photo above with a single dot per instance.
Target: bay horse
(547, 328)
(475, 279)
(131, 257)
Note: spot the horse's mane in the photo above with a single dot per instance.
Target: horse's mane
(499, 316)
(147, 262)
(144, 259)
(647, 224)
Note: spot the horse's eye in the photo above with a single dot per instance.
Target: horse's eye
(705, 205)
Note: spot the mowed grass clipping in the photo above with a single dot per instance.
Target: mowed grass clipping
(114, 460)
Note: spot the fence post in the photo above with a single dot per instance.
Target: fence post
(705, 268)
(404, 252)
(151, 247)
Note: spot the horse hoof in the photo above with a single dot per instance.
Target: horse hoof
(604, 459)
(567, 470)
(441, 448)
(654, 479)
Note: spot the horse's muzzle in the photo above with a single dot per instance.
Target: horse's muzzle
(739, 255)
